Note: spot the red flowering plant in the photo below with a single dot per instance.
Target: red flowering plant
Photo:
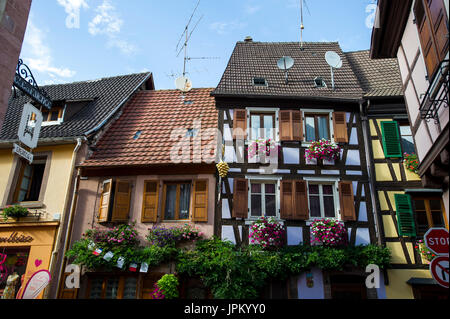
(329, 232)
(262, 147)
(323, 149)
(411, 162)
(427, 254)
(268, 233)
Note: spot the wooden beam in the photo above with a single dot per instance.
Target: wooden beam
(437, 170)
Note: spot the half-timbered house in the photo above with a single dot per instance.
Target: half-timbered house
(257, 100)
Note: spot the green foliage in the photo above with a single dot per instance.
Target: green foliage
(15, 211)
(169, 286)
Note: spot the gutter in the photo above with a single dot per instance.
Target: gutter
(57, 247)
(287, 97)
(99, 126)
(43, 141)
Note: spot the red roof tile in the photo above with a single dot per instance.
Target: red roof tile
(163, 118)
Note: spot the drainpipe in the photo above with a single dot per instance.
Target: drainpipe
(58, 240)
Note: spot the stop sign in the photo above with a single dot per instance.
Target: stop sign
(436, 240)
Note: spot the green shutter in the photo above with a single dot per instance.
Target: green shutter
(405, 215)
(391, 139)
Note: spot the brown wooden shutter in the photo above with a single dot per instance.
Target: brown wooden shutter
(287, 200)
(67, 293)
(122, 196)
(150, 202)
(301, 209)
(340, 127)
(285, 126)
(297, 126)
(105, 200)
(200, 205)
(240, 198)
(438, 18)
(239, 123)
(347, 201)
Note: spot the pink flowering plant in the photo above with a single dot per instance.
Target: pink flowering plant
(427, 254)
(268, 233)
(157, 293)
(122, 235)
(329, 232)
(161, 236)
(323, 149)
(262, 147)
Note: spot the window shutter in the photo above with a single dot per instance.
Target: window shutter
(301, 209)
(240, 198)
(391, 139)
(200, 205)
(439, 23)
(347, 201)
(239, 123)
(285, 126)
(67, 293)
(105, 200)
(405, 216)
(297, 126)
(287, 200)
(122, 197)
(340, 127)
(150, 202)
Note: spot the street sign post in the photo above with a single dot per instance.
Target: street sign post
(439, 270)
(436, 240)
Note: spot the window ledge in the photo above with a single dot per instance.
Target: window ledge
(250, 221)
(31, 205)
(311, 220)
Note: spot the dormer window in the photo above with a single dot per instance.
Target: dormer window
(259, 81)
(54, 116)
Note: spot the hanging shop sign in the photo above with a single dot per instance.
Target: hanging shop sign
(23, 153)
(29, 129)
(24, 81)
(37, 283)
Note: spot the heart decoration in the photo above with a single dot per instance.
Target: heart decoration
(37, 262)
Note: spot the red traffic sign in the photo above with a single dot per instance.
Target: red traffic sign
(439, 270)
(436, 240)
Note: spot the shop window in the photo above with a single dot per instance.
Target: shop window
(176, 201)
(348, 287)
(429, 212)
(115, 201)
(112, 287)
(13, 264)
(29, 182)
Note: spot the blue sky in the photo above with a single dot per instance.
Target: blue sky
(77, 40)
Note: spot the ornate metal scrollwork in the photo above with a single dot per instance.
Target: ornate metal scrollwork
(24, 73)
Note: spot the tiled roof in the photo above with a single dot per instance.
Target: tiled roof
(104, 94)
(259, 59)
(378, 77)
(161, 117)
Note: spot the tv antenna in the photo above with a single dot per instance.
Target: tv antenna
(334, 61)
(285, 63)
(302, 26)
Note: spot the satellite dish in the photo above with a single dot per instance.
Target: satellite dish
(183, 84)
(285, 63)
(333, 59)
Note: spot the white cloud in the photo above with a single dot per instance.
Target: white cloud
(226, 27)
(107, 22)
(38, 54)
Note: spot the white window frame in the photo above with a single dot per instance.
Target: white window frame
(328, 181)
(329, 112)
(276, 132)
(263, 179)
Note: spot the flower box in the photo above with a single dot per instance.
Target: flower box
(268, 233)
(411, 162)
(324, 150)
(328, 232)
(262, 150)
(14, 212)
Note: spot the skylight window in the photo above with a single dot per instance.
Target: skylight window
(319, 82)
(192, 132)
(137, 135)
(259, 82)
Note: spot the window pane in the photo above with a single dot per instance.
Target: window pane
(327, 189)
(129, 289)
(419, 204)
(269, 188)
(314, 206)
(54, 115)
(270, 205)
(422, 222)
(408, 144)
(96, 288)
(438, 221)
(268, 126)
(323, 127)
(171, 197)
(313, 189)
(328, 202)
(256, 206)
(185, 195)
(45, 116)
(112, 286)
(36, 182)
(435, 204)
(256, 125)
(405, 130)
(310, 129)
(256, 188)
